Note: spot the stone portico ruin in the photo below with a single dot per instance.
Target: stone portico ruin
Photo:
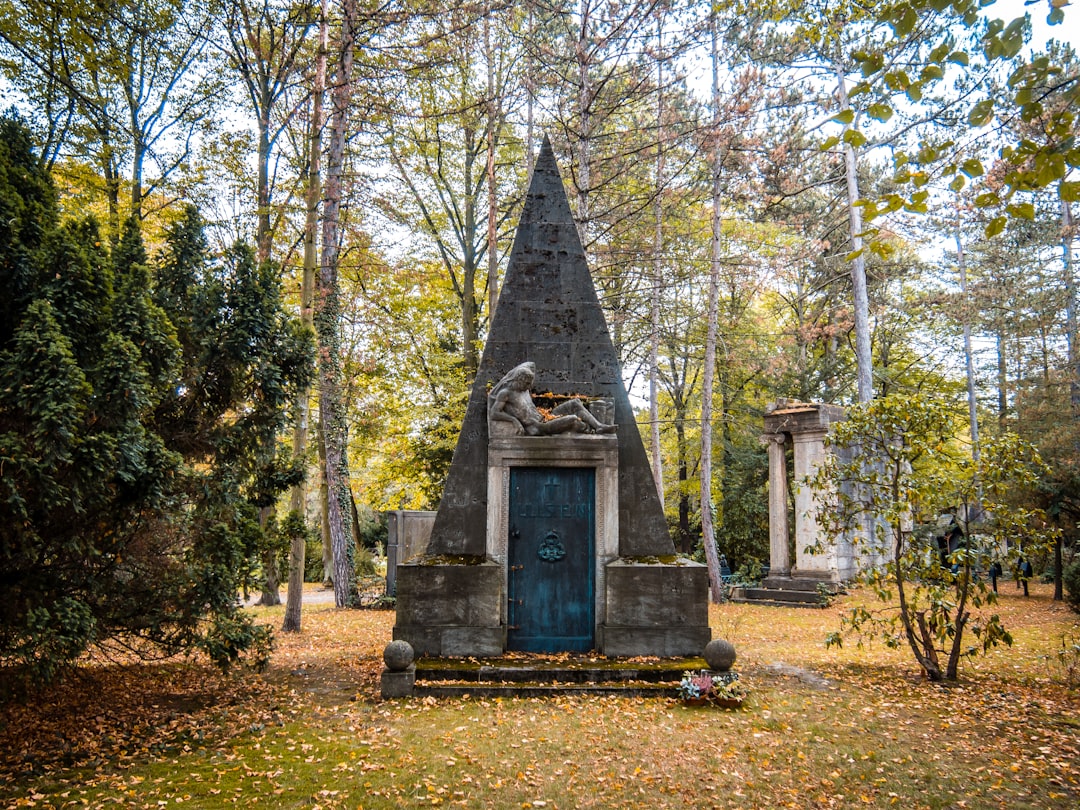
(803, 426)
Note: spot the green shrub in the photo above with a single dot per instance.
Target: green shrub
(313, 569)
(1071, 580)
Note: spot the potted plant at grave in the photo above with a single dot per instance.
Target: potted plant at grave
(700, 688)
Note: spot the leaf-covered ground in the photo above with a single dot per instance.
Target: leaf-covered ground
(823, 728)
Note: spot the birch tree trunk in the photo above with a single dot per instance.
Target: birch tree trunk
(582, 54)
(298, 547)
(863, 356)
(530, 93)
(328, 323)
(969, 363)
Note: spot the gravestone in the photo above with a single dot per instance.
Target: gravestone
(407, 533)
(551, 542)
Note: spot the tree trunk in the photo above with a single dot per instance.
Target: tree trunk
(686, 543)
(530, 93)
(861, 304)
(328, 321)
(470, 327)
(1073, 338)
(112, 190)
(1002, 381)
(262, 191)
(969, 363)
(582, 56)
(658, 266)
(271, 579)
(1072, 335)
(298, 545)
(324, 513)
(708, 535)
(492, 202)
(1059, 589)
(962, 615)
(354, 515)
(137, 159)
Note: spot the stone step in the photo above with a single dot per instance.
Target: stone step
(799, 584)
(525, 677)
(564, 673)
(770, 596)
(778, 603)
(495, 690)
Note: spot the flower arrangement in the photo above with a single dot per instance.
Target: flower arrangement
(698, 686)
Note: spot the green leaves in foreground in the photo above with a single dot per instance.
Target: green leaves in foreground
(1042, 91)
(927, 517)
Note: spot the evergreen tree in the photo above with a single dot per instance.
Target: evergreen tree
(243, 361)
(81, 350)
(138, 431)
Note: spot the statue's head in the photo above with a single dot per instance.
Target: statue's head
(522, 376)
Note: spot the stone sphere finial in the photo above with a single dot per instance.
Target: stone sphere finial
(719, 654)
(398, 655)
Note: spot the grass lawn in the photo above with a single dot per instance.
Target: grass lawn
(822, 728)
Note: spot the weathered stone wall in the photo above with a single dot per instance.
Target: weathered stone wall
(656, 608)
(451, 608)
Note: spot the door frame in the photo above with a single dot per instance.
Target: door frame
(600, 452)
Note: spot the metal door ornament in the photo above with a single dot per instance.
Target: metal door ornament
(551, 548)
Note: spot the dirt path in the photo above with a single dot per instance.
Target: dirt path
(313, 595)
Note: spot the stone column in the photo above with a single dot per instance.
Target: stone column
(779, 557)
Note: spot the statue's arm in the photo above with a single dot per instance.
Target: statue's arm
(498, 412)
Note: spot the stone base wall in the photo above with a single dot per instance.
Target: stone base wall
(655, 608)
(448, 609)
(651, 608)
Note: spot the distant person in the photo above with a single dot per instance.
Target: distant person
(1026, 572)
(995, 572)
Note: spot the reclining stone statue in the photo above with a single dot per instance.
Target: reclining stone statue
(511, 410)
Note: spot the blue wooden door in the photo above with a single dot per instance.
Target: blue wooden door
(551, 562)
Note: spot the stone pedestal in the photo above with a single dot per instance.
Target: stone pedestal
(398, 684)
(656, 607)
(451, 607)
